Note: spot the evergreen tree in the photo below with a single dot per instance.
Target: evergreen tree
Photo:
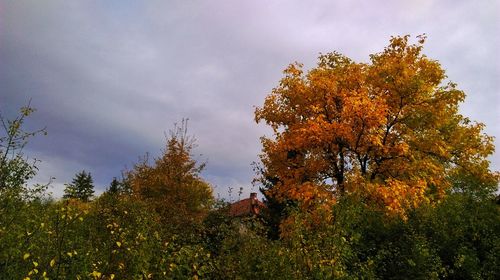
(115, 186)
(82, 187)
(118, 187)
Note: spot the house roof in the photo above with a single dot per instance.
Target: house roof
(246, 207)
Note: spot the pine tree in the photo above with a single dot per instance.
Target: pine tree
(82, 187)
(114, 187)
(119, 187)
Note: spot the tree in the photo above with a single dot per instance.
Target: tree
(118, 187)
(15, 169)
(82, 187)
(114, 186)
(172, 185)
(388, 129)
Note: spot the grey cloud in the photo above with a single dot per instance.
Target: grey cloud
(110, 77)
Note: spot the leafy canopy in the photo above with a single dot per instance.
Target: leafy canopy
(389, 129)
(172, 185)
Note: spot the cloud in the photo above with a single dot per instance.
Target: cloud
(110, 77)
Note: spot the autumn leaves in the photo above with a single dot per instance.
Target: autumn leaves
(388, 130)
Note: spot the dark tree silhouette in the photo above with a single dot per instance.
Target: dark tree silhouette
(82, 187)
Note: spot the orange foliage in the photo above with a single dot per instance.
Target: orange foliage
(173, 186)
(389, 129)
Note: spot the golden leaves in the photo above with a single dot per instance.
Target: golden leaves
(172, 185)
(397, 196)
(387, 123)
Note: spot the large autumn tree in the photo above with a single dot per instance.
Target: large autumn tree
(389, 129)
(172, 185)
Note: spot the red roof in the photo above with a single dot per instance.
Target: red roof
(246, 207)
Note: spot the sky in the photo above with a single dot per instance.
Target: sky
(110, 78)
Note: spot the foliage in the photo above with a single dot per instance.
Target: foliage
(218, 226)
(114, 186)
(111, 237)
(172, 185)
(15, 169)
(161, 222)
(82, 187)
(465, 234)
(389, 129)
(118, 187)
(119, 237)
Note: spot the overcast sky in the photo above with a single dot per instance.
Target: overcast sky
(109, 78)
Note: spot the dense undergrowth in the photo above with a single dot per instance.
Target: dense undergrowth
(119, 237)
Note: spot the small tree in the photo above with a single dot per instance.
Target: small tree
(15, 169)
(172, 185)
(82, 187)
(118, 187)
(114, 187)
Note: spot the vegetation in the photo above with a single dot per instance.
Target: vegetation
(15, 170)
(371, 174)
(172, 186)
(388, 130)
(82, 187)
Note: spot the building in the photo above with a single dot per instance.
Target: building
(247, 207)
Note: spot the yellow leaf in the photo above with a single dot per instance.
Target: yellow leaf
(52, 262)
(27, 255)
(118, 243)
